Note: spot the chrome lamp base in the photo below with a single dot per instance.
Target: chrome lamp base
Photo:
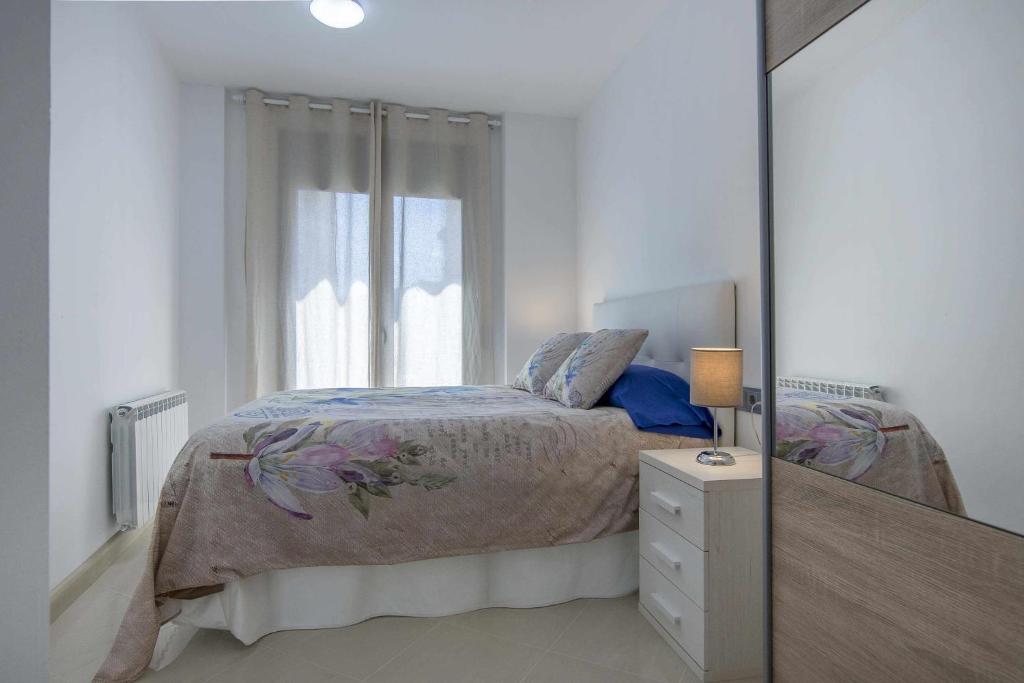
(715, 458)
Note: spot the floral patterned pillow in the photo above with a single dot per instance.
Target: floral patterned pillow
(546, 359)
(585, 375)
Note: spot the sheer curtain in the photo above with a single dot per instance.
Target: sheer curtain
(368, 247)
(435, 206)
(308, 237)
(327, 289)
(426, 324)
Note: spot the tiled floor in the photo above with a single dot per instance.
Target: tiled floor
(592, 641)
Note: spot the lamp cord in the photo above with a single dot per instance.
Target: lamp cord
(753, 424)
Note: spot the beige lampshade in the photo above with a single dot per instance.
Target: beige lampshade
(716, 377)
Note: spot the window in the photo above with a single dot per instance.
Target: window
(369, 247)
(331, 276)
(330, 272)
(427, 327)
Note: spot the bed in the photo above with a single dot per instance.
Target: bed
(313, 509)
(865, 440)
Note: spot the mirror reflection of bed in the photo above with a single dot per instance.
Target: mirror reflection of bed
(848, 430)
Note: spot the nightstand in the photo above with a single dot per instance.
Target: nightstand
(701, 583)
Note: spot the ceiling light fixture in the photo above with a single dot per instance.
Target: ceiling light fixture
(337, 13)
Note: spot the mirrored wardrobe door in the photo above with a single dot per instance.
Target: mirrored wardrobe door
(897, 229)
(898, 215)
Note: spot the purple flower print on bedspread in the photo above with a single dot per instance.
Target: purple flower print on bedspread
(843, 439)
(320, 458)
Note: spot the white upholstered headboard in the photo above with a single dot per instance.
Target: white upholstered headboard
(678, 320)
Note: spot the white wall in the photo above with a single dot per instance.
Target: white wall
(236, 314)
(202, 321)
(540, 232)
(899, 225)
(113, 255)
(24, 321)
(667, 169)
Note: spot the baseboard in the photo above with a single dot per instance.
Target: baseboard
(69, 590)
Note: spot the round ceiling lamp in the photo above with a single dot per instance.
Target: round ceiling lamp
(337, 13)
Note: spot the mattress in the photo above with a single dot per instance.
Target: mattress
(870, 442)
(340, 477)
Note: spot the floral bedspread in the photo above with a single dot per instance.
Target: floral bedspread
(379, 476)
(870, 442)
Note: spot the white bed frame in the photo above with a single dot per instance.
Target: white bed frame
(330, 597)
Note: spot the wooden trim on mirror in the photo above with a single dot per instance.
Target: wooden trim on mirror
(790, 25)
(871, 587)
(764, 191)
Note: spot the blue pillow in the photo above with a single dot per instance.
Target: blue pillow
(659, 401)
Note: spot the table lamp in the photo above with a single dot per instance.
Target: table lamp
(716, 381)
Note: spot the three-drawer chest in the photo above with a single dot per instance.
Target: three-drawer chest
(701, 580)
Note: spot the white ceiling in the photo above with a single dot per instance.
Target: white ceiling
(536, 56)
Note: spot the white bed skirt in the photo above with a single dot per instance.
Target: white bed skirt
(331, 597)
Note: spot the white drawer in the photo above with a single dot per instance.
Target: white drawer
(677, 614)
(678, 506)
(681, 561)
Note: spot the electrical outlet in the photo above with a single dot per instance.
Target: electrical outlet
(751, 396)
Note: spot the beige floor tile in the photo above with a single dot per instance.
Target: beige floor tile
(598, 641)
(83, 674)
(357, 650)
(267, 665)
(556, 668)
(612, 633)
(538, 627)
(81, 637)
(210, 652)
(282, 640)
(123, 576)
(451, 654)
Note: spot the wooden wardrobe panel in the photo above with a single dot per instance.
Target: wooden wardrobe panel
(871, 587)
(792, 24)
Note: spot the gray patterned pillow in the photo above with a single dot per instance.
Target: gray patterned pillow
(585, 375)
(546, 359)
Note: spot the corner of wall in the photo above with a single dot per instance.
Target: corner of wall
(201, 267)
(114, 253)
(540, 223)
(25, 27)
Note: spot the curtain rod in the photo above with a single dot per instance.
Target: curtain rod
(240, 97)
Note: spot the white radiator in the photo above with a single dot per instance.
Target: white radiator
(146, 436)
(831, 387)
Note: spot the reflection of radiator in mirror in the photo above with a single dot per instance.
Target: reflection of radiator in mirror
(146, 436)
(831, 387)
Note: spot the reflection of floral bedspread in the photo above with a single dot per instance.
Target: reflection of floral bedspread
(870, 442)
(363, 476)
